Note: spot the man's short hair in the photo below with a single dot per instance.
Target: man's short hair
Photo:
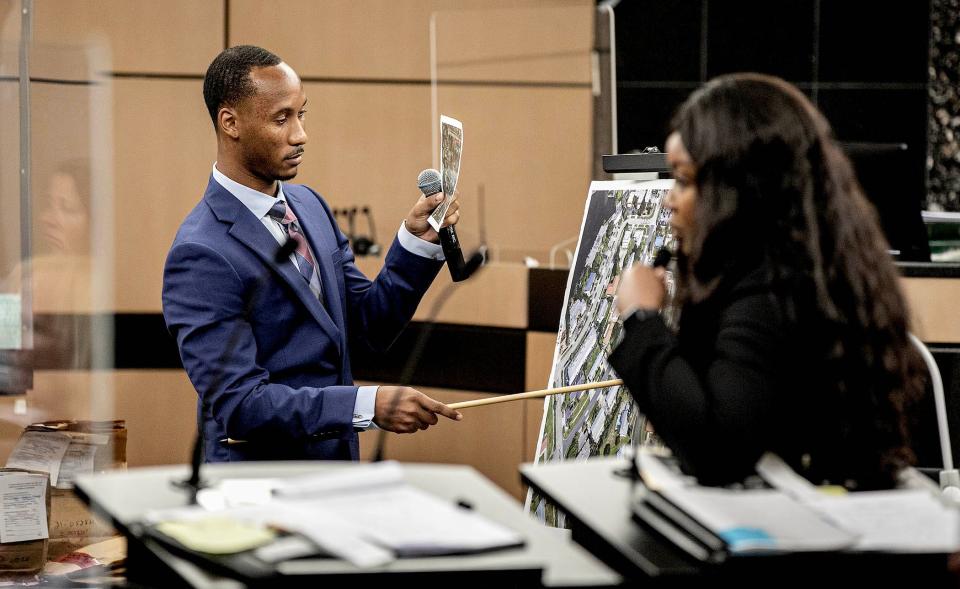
(227, 81)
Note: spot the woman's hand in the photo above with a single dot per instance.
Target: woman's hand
(641, 287)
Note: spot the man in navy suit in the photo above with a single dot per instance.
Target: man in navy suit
(265, 341)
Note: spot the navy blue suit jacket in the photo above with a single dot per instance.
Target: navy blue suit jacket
(270, 362)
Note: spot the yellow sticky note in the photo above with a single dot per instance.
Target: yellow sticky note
(832, 490)
(217, 535)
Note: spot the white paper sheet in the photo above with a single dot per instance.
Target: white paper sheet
(366, 515)
(40, 451)
(896, 521)
(77, 460)
(451, 147)
(23, 511)
(764, 520)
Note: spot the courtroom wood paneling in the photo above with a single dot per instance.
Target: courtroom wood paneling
(164, 149)
(9, 179)
(366, 146)
(173, 36)
(159, 407)
(488, 439)
(390, 38)
(530, 150)
(11, 425)
(9, 36)
(547, 43)
(933, 307)
(496, 295)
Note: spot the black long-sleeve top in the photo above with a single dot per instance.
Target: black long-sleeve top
(743, 375)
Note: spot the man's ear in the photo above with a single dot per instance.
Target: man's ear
(228, 123)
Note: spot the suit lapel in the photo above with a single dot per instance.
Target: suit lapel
(312, 217)
(247, 229)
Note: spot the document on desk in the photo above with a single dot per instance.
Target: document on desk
(23, 508)
(797, 516)
(41, 451)
(367, 515)
(901, 520)
(760, 520)
(78, 460)
(412, 522)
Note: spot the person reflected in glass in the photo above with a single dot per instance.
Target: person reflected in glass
(60, 271)
(792, 335)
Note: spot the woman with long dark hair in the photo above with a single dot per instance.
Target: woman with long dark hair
(792, 336)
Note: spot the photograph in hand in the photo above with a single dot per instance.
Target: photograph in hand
(451, 145)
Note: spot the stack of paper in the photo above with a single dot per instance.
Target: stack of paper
(367, 515)
(792, 516)
(64, 455)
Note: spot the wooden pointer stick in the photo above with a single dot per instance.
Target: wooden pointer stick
(537, 394)
(506, 399)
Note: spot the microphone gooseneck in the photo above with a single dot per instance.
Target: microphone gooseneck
(416, 353)
(429, 183)
(194, 483)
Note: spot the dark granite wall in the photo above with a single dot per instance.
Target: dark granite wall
(880, 73)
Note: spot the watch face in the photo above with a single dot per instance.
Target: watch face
(641, 314)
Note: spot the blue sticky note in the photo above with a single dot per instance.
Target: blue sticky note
(744, 538)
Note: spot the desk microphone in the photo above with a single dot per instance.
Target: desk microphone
(429, 184)
(194, 483)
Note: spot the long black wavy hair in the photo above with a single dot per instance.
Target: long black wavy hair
(775, 188)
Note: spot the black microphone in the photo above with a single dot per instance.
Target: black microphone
(429, 184)
(194, 483)
(663, 257)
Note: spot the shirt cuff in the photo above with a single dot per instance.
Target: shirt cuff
(420, 247)
(364, 407)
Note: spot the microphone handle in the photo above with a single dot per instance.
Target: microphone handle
(453, 253)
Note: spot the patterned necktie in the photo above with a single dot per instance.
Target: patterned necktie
(283, 215)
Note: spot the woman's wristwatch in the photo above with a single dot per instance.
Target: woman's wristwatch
(639, 313)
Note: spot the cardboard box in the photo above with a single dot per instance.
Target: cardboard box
(71, 523)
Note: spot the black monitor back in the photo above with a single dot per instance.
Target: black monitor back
(887, 174)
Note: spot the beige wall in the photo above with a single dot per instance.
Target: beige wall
(933, 308)
(517, 73)
(527, 146)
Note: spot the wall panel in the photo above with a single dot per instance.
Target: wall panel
(164, 149)
(530, 150)
(488, 439)
(933, 307)
(390, 38)
(173, 36)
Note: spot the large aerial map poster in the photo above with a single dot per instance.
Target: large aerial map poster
(624, 223)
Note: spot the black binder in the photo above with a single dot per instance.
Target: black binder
(655, 511)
